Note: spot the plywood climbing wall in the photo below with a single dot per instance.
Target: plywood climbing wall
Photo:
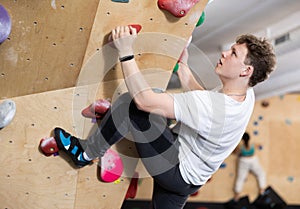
(275, 126)
(28, 179)
(46, 46)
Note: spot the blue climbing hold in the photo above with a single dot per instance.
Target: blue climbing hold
(288, 122)
(121, 1)
(290, 178)
(223, 165)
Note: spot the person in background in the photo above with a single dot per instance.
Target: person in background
(248, 162)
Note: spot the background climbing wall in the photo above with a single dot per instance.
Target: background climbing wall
(57, 44)
(46, 46)
(275, 126)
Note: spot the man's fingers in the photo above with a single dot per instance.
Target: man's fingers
(132, 30)
(123, 31)
(126, 29)
(118, 29)
(113, 34)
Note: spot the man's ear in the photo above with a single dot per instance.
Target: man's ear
(247, 71)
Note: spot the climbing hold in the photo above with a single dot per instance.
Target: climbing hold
(97, 109)
(48, 146)
(121, 1)
(223, 165)
(7, 112)
(136, 26)
(264, 103)
(5, 24)
(132, 189)
(176, 67)
(117, 181)
(290, 178)
(111, 166)
(288, 122)
(195, 194)
(201, 19)
(178, 8)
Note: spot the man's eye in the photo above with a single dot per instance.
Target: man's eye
(233, 53)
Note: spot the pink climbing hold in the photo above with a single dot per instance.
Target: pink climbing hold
(111, 166)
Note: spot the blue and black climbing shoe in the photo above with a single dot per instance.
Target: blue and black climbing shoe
(71, 146)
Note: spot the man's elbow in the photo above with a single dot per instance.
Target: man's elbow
(143, 101)
(142, 106)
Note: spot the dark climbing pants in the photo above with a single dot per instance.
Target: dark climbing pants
(156, 145)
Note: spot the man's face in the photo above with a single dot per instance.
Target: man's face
(231, 64)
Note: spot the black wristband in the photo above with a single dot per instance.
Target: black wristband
(126, 58)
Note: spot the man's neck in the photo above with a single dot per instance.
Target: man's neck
(236, 93)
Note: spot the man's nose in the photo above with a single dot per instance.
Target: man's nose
(224, 54)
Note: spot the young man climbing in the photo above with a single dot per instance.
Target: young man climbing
(209, 126)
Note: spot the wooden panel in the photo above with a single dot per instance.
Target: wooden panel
(145, 13)
(32, 180)
(46, 46)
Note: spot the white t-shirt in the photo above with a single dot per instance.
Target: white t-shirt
(210, 126)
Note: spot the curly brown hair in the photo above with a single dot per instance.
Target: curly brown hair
(260, 55)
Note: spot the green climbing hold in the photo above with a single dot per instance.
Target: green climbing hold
(175, 69)
(201, 19)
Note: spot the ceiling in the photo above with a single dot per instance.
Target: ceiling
(226, 19)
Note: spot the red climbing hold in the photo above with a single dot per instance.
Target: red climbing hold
(48, 146)
(132, 189)
(97, 109)
(178, 8)
(137, 27)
